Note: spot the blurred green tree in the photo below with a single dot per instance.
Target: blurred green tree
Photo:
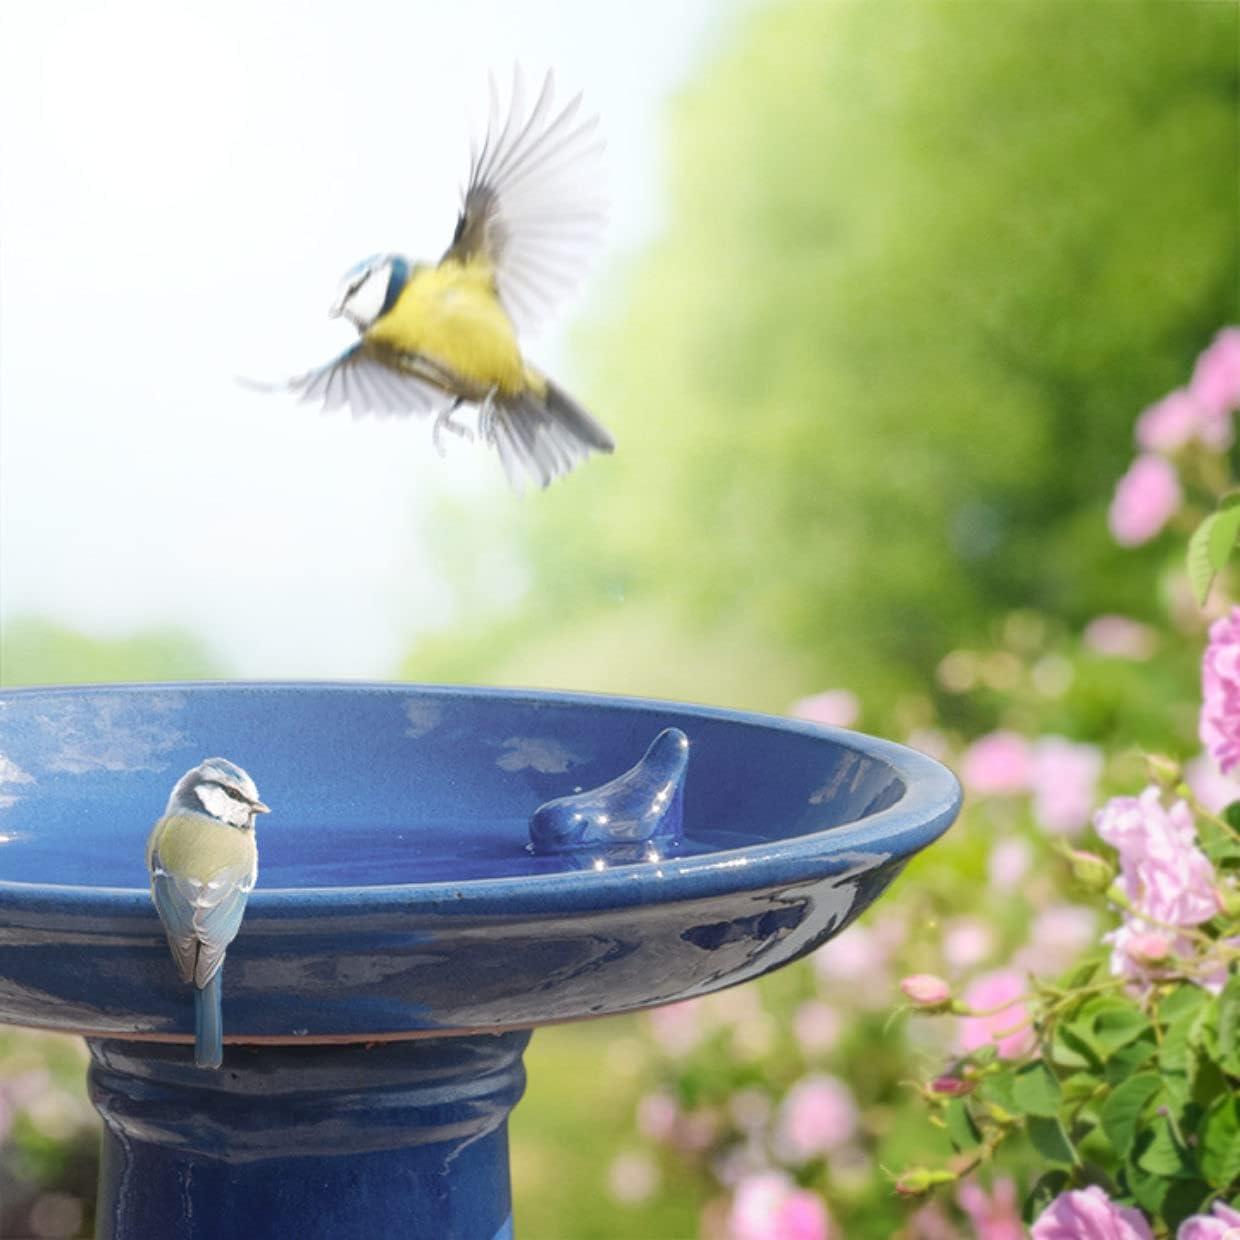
(924, 263)
(36, 651)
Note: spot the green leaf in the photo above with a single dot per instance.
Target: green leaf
(1184, 1197)
(1220, 1143)
(1185, 1011)
(1048, 1187)
(961, 1127)
(1114, 1023)
(1121, 1112)
(1211, 545)
(1049, 1139)
(1036, 1090)
(1229, 1025)
(1149, 1190)
(1079, 976)
(1072, 1048)
(1160, 1154)
(1126, 1060)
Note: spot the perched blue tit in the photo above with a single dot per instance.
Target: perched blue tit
(204, 862)
(436, 336)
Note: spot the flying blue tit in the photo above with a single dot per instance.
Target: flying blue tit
(203, 861)
(436, 336)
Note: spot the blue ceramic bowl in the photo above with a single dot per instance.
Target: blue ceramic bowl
(397, 894)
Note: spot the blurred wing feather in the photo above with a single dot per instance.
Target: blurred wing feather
(532, 206)
(364, 384)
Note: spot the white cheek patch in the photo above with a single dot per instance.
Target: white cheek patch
(220, 805)
(367, 303)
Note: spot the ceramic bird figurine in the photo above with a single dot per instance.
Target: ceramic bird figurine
(436, 336)
(203, 861)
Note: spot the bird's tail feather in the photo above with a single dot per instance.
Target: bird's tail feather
(541, 438)
(209, 1022)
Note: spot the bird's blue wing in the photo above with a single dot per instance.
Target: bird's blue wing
(217, 921)
(177, 914)
(359, 381)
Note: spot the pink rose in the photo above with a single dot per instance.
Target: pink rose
(995, 1216)
(1165, 875)
(1057, 937)
(1215, 384)
(1089, 1214)
(1007, 1029)
(1145, 499)
(817, 1116)
(1120, 637)
(999, 764)
(1210, 786)
(839, 708)
(1065, 783)
(1219, 725)
(967, 941)
(924, 990)
(1222, 1223)
(677, 1028)
(1179, 417)
(817, 1026)
(1008, 862)
(657, 1114)
(769, 1206)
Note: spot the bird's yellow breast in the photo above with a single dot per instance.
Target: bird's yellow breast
(452, 315)
(194, 847)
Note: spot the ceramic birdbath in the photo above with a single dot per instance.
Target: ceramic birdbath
(443, 870)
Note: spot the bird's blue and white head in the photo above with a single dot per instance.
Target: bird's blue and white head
(370, 289)
(219, 789)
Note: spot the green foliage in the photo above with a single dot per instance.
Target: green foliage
(34, 651)
(1211, 546)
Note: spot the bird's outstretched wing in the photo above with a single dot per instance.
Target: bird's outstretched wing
(533, 207)
(361, 383)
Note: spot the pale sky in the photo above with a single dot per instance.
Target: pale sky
(181, 188)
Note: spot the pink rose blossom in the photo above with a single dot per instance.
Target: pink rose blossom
(1065, 784)
(769, 1206)
(1145, 499)
(838, 708)
(1006, 1029)
(677, 1028)
(1057, 937)
(967, 941)
(1219, 726)
(995, 1216)
(1164, 874)
(999, 764)
(1120, 637)
(925, 990)
(1216, 377)
(855, 956)
(1008, 862)
(817, 1026)
(1089, 1214)
(818, 1115)
(1222, 1223)
(657, 1114)
(1210, 786)
(1179, 417)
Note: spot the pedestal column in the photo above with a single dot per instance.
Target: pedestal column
(401, 1139)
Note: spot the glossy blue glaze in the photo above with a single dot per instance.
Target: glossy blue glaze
(317, 1143)
(397, 894)
(624, 819)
